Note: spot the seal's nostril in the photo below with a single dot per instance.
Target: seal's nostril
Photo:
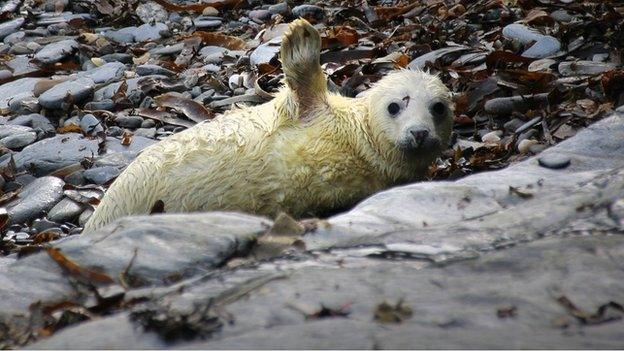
(419, 135)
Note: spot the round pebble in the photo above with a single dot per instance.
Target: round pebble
(554, 161)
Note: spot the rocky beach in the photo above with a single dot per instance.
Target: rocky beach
(513, 240)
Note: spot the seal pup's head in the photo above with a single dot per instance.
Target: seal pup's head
(411, 110)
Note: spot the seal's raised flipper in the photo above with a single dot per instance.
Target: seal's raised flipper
(300, 56)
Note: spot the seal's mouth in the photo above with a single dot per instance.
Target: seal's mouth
(419, 140)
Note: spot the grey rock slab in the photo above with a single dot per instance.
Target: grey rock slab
(209, 239)
(18, 141)
(151, 12)
(35, 198)
(265, 52)
(108, 91)
(453, 306)
(57, 51)
(10, 129)
(8, 91)
(62, 95)
(421, 61)
(478, 212)
(544, 46)
(101, 175)
(123, 35)
(584, 68)
(50, 154)
(64, 211)
(90, 124)
(147, 32)
(12, 26)
(146, 70)
(21, 64)
(108, 72)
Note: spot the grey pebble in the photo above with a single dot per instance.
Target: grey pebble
(75, 90)
(35, 198)
(279, 9)
(306, 10)
(106, 73)
(90, 124)
(9, 27)
(18, 141)
(57, 51)
(101, 175)
(148, 123)
(129, 121)
(146, 70)
(64, 211)
(146, 132)
(147, 32)
(76, 178)
(554, 161)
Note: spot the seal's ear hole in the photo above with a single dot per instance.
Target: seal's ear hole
(394, 108)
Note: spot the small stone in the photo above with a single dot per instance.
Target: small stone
(146, 132)
(129, 121)
(106, 73)
(35, 198)
(90, 124)
(84, 217)
(207, 23)
(524, 145)
(513, 125)
(18, 141)
(151, 12)
(146, 70)
(260, 15)
(57, 51)
(491, 137)
(210, 11)
(9, 27)
(101, 175)
(62, 95)
(309, 12)
(279, 9)
(97, 61)
(554, 161)
(148, 32)
(76, 178)
(42, 224)
(148, 123)
(65, 211)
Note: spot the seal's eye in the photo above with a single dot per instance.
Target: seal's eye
(438, 110)
(393, 108)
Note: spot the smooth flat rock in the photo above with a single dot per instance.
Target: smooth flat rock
(65, 210)
(62, 95)
(12, 26)
(48, 155)
(101, 175)
(19, 140)
(20, 86)
(57, 51)
(480, 262)
(209, 239)
(35, 198)
(148, 32)
(10, 129)
(108, 72)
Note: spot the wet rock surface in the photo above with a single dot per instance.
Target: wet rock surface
(522, 257)
(507, 267)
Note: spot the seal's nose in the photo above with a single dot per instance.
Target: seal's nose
(419, 135)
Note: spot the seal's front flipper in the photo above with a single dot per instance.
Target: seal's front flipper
(300, 56)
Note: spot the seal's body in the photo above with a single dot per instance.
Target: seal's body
(305, 152)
